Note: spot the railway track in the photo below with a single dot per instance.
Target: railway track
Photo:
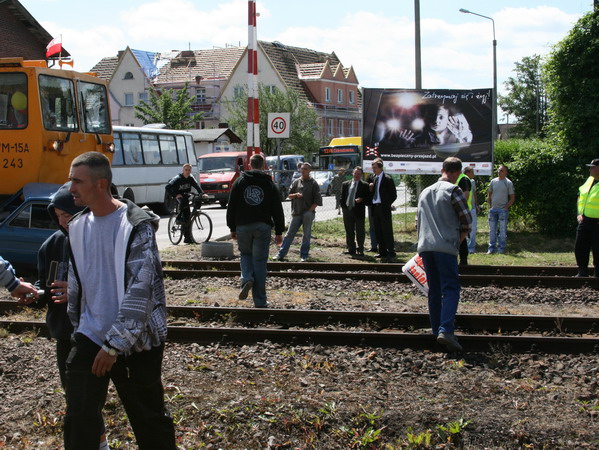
(506, 333)
(470, 276)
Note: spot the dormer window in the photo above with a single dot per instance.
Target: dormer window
(128, 76)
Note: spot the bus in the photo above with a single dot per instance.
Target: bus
(48, 117)
(341, 153)
(145, 159)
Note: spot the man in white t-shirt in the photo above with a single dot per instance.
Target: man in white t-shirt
(501, 197)
(116, 302)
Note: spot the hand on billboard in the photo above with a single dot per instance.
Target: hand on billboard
(458, 126)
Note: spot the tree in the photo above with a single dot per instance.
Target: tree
(170, 107)
(527, 98)
(573, 86)
(303, 119)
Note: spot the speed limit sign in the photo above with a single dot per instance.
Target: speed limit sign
(278, 125)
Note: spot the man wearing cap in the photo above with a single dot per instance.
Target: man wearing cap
(587, 233)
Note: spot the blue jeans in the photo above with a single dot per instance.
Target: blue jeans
(253, 240)
(443, 290)
(472, 236)
(305, 221)
(137, 381)
(497, 215)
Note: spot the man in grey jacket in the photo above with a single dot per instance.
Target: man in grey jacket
(116, 302)
(443, 223)
(305, 197)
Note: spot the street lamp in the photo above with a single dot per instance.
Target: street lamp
(494, 97)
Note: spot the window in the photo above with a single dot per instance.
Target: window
(339, 95)
(351, 128)
(143, 97)
(352, 100)
(271, 89)
(327, 94)
(117, 158)
(13, 100)
(128, 76)
(94, 113)
(341, 128)
(238, 91)
(58, 103)
(168, 149)
(132, 149)
(34, 216)
(128, 100)
(150, 148)
(330, 127)
(181, 150)
(200, 96)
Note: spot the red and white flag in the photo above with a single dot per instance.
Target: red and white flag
(54, 47)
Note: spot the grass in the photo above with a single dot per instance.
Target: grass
(523, 247)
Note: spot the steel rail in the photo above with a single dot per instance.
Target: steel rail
(465, 280)
(417, 341)
(493, 323)
(551, 271)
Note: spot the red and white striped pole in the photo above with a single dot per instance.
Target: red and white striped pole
(253, 124)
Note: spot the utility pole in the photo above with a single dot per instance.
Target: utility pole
(418, 47)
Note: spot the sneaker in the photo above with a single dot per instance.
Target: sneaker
(304, 259)
(245, 289)
(278, 258)
(490, 252)
(449, 341)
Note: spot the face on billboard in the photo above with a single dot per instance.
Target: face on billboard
(442, 118)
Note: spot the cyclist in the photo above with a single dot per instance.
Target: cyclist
(180, 187)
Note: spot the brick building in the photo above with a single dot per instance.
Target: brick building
(22, 35)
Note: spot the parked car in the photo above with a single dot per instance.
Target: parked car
(25, 223)
(324, 179)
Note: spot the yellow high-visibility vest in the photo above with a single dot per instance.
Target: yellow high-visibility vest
(588, 199)
(469, 199)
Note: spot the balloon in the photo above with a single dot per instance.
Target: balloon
(19, 101)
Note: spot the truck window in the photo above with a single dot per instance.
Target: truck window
(57, 96)
(13, 100)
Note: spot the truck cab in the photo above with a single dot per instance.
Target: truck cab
(218, 171)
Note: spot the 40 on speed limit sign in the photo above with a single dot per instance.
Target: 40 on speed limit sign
(278, 125)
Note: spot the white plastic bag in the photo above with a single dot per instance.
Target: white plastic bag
(414, 270)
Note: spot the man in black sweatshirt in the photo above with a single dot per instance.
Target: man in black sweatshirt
(254, 207)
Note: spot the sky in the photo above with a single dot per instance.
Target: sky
(376, 37)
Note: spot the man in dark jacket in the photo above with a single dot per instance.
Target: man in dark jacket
(53, 270)
(355, 195)
(179, 187)
(384, 194)
(254, 207)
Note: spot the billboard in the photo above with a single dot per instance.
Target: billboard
(413, 131)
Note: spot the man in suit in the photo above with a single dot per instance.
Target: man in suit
(384, 194)
(355, 195)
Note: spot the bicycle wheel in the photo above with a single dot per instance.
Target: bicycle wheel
(201, 228)
(175, 233)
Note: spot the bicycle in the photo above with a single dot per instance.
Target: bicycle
(201, 223)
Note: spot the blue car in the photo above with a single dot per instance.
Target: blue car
(25, 223)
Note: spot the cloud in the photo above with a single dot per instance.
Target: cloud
(181, 23)
(454, 55)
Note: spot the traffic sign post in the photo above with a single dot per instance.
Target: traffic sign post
(279, 125)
